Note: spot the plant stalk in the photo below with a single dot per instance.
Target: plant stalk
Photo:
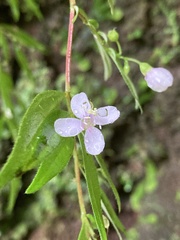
(67, 90)
(69, 46)
(78, 182)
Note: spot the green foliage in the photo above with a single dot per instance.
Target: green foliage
(15, 187)
(94, 190)
(151, 218)
(17, 35)
(132, 234)
(6, 88)
(171, 18)
(35, 136)
(28, 6)
(112, 216)
(14, 4)
(108, 53)
(146, 186)
(106, 61)
(98, 197)
(177, 197)
(111, 5)
(54, 159)
(107, 176)
(100, 11)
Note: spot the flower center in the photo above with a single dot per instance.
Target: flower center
(88, 122)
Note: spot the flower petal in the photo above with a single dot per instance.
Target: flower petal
(68, 127)
(80, 105)
(159, 79)
(94, 141)
(106, 115)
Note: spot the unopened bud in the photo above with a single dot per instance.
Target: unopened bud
(113, 35)
(159, 79)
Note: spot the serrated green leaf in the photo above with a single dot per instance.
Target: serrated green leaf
(112, 216)
(91, 176)
(109, 180)
(54, 161)
(14, 5)
(33, 136)
(21, 37)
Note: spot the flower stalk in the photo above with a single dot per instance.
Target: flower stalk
(69, 46)
(67, 92)
(78, 182)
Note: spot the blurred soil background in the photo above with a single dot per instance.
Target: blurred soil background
(142, 150)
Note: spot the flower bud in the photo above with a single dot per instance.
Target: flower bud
(113, 35)
(159, 79)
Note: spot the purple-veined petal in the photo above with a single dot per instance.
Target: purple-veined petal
(68, 127)
(159, 79)
(106, 115)
(94, 141)
(80, 105)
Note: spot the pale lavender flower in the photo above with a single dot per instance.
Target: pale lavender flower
(88, 118)
(159, 79)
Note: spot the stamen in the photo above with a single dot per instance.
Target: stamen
(93, 111)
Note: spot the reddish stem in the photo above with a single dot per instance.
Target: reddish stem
(69, 49)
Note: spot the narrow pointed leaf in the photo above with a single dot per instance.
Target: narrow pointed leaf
(6, 89)
(6, 86)
(14, 5)
(109, 180)
(82, 234)
(112, 216)
(15, 186)
(22, 37)
(23, 62)
(4, 45)
(93, 189)
(106, 61)
(33, 6)
(86, 232)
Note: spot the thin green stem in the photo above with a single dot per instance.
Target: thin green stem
(130, 59)
(78, 182)
(119, 48)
